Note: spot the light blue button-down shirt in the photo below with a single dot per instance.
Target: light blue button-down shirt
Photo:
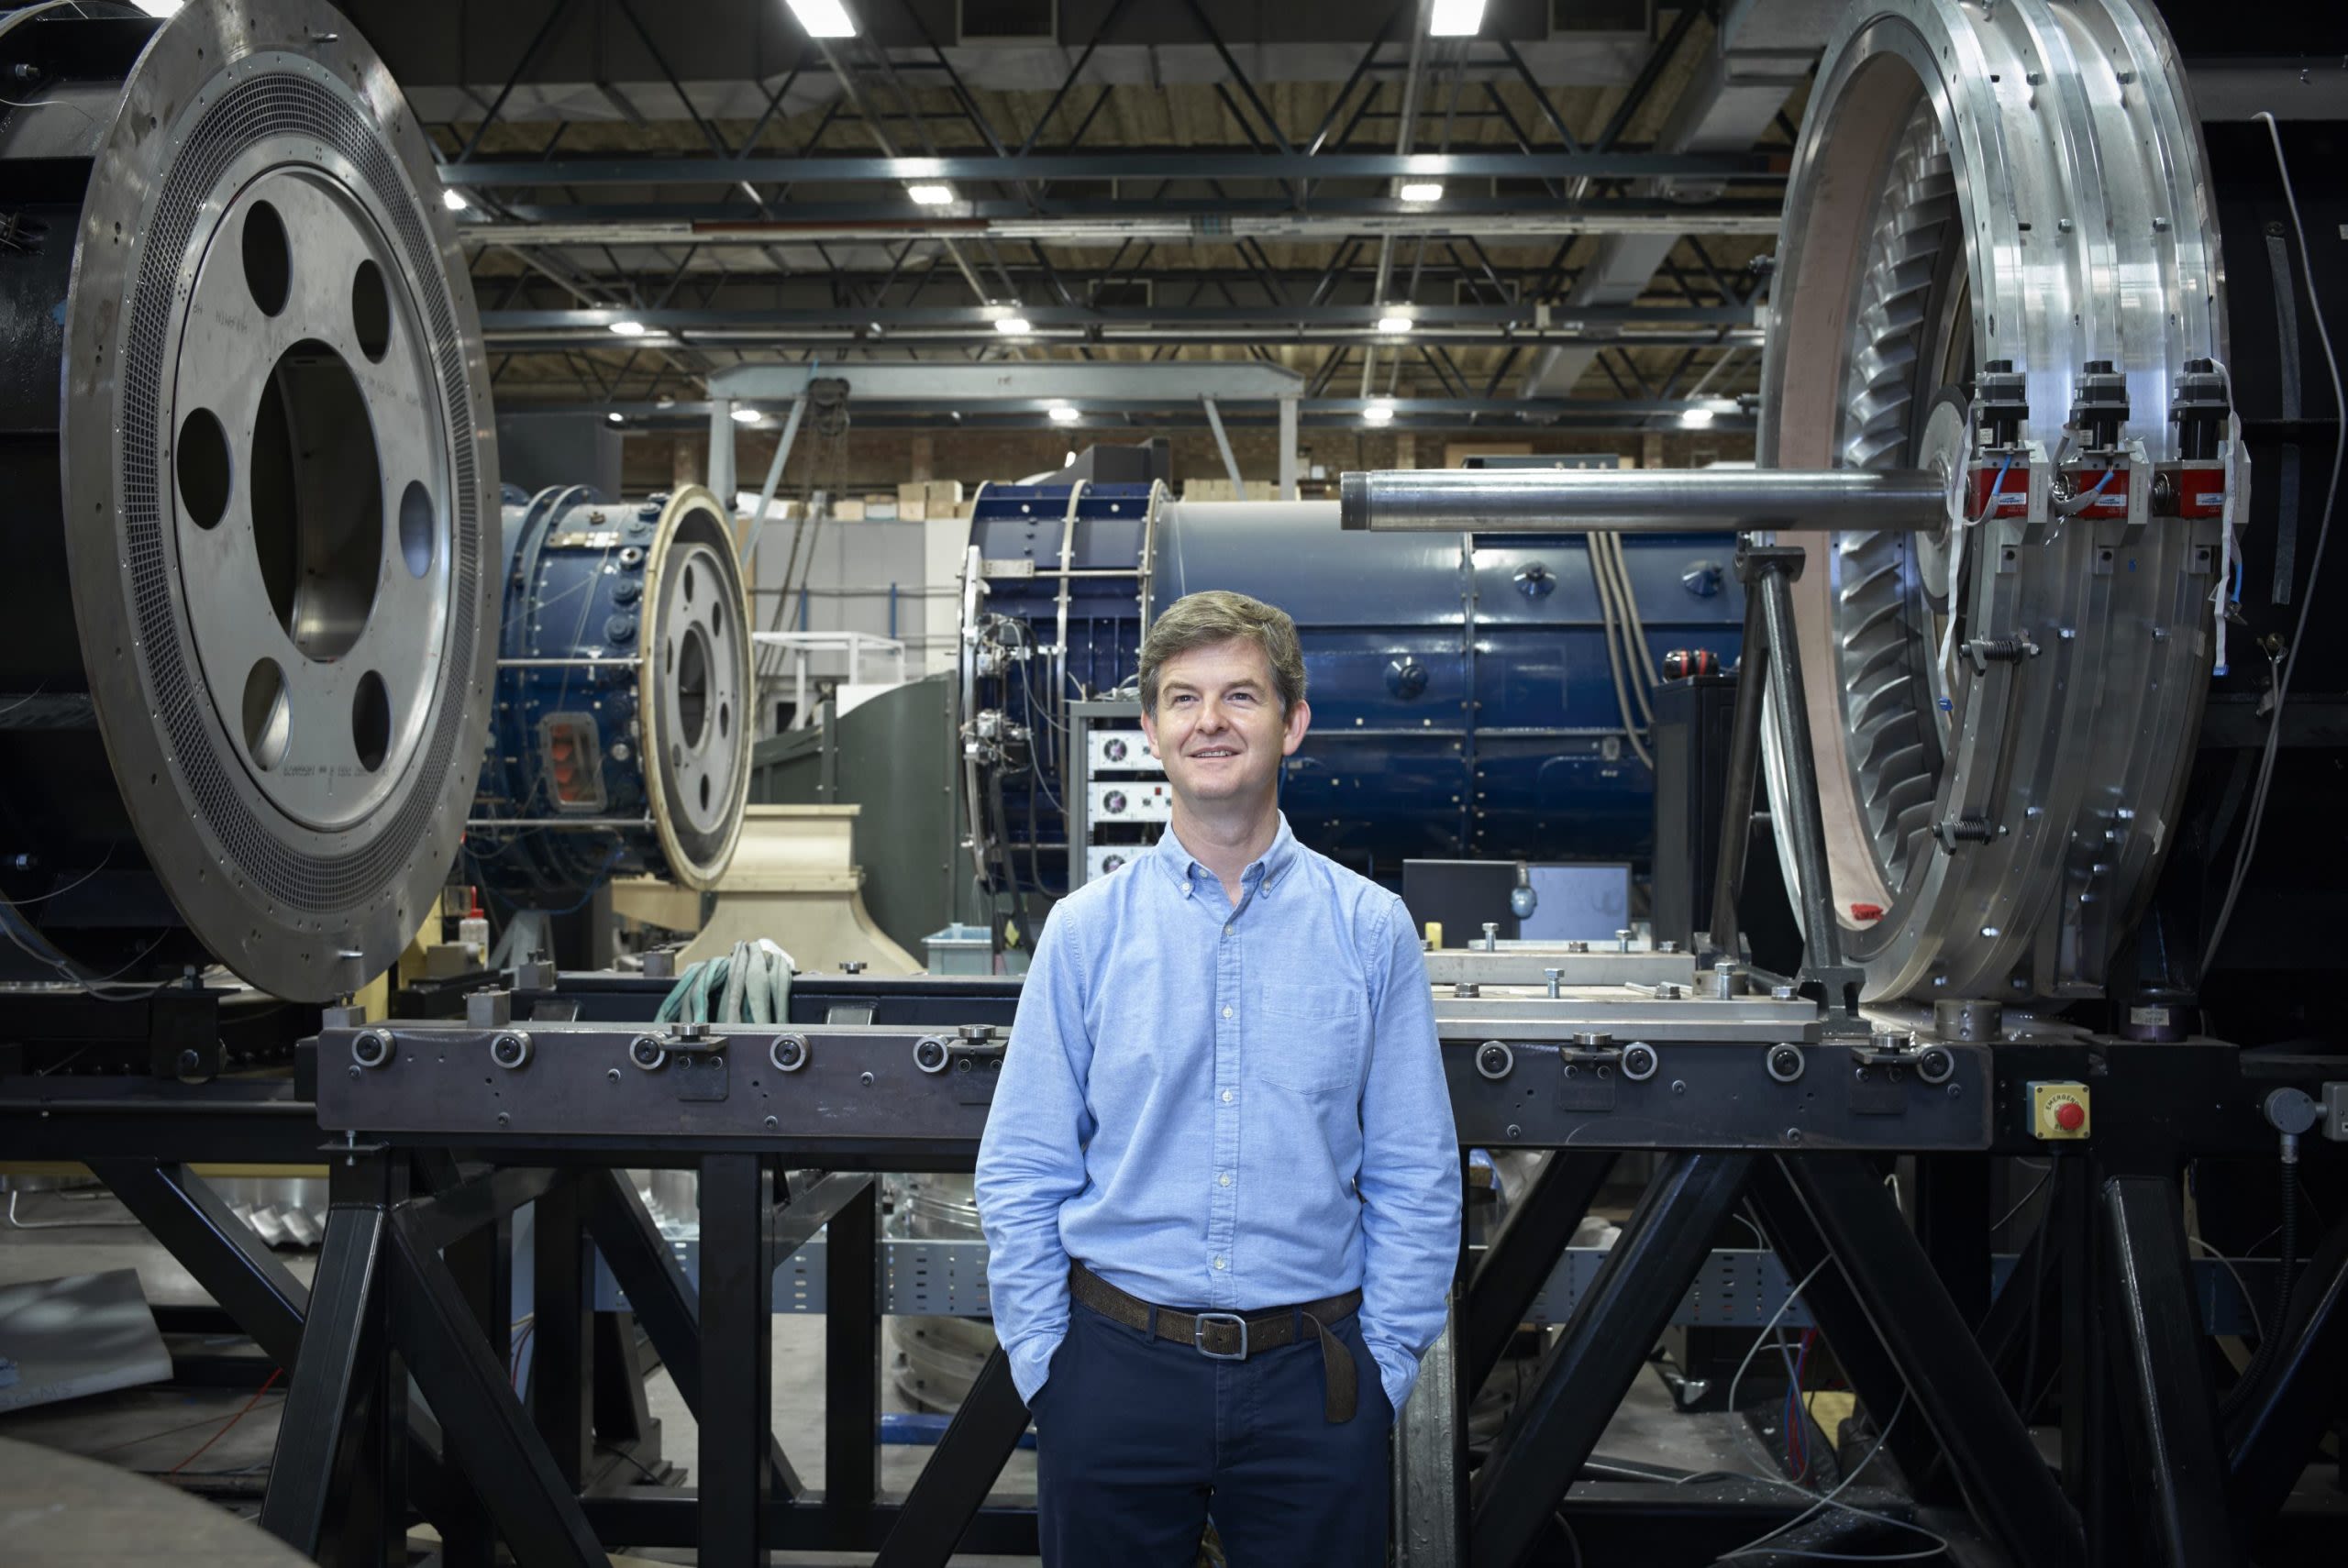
(1224, 1107)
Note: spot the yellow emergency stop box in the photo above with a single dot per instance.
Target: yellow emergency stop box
(2059, 1111)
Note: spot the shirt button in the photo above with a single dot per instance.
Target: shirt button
(1227, 1012)
(1226, 1097)
(1220, 1264)
(1226, 930)
(1225, 1177)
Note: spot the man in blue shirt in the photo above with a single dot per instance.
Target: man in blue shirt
(1220, 1184)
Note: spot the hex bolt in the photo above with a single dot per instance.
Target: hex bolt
(1556, 977)
(1724, 980)
(1491, 936)
(1622, 938)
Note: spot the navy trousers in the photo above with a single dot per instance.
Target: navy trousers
(1138, 1441)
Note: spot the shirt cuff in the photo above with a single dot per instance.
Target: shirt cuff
(1031, 1362)
(1399, 1374)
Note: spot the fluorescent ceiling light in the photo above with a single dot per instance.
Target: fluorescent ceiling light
(617, 417)
(1453, 19)
(625, 328)
(1695, 418)
(1421, 191)
(1065, 413)
(930, 195)
(1012, 325)
(829, 18)
(1394, 326)
(454, 200)
(1380, 413)
(747, 416)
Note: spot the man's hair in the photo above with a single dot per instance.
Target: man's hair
(1202, 620)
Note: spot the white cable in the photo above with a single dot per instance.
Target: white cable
(2315, 562)
(1631, 602)
(1756, 1547)
(1623, 622)
(2257, 1325)
(1758, 1339)
(1614, 661)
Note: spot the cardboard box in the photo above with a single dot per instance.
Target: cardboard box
(943, 496)
(848, 511)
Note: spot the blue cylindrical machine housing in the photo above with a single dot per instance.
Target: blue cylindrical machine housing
(620, 740)
(1462, 705)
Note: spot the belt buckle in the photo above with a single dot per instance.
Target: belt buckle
(1198, 1335)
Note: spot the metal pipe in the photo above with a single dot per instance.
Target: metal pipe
(1803, 822)
(1640, 500)
(1744, 770)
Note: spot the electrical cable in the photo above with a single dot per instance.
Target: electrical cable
(1756, 1547)
(2270, 1343)
(2257, 815)
(1615, 666)
(2257, 1323)
(274, 1374)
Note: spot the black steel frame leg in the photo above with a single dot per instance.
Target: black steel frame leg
(736, 1358)
(481, 1420)
(2275, 1436)
(1948, 1378)
(1604, 1344)
(663, 1299)
(2168, 1411)
(232, 1263)
(1523, 1254)
(852, 1356)
(1952, 1225)
(341, 1358)
(953, 1485)
(561, 1383)
(481, 1263)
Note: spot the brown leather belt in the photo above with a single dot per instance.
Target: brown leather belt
(1234, 1336)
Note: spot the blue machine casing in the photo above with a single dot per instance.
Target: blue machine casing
(590, 629)
(1462, 702)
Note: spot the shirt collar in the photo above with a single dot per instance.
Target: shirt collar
(1186, 871)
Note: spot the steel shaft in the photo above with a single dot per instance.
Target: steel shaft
(1640, 500)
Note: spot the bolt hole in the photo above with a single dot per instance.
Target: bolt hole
(201, 462)
(371, 720)
(371, 311)
(269, 261)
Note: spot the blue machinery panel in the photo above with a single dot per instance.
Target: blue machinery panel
(1462, 699)
(619, 741)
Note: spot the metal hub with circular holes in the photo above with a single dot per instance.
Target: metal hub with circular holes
(254, 628)
(622, 738)
(2021, 183)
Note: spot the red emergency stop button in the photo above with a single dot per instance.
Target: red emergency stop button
(2070, 1116)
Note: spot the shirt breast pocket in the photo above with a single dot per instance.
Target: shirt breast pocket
(1313, 1037)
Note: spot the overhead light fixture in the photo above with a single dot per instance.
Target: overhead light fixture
(747, 416)
(1394, 326)
(829, 18)
(617, 417)
(930, 195)
(1379, 413)
(625, 328)
(1069, 462)
(1453, 19)
(1013, 326)
(454, 200)
(1421, 191)
(1065, 413)
(157, 8)
(1695, 418)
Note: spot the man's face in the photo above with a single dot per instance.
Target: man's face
(1218, 727)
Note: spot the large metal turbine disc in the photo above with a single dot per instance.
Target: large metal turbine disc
(275, 478)
(2022, 183)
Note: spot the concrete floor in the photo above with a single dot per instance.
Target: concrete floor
(153, 1429)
